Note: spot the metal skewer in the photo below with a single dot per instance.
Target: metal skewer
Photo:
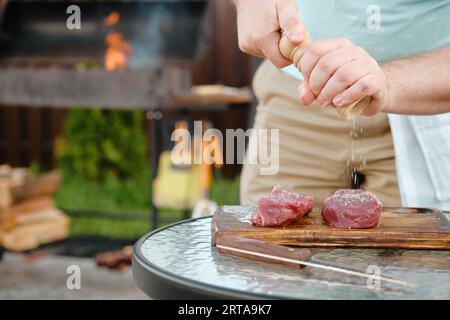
(316, 265)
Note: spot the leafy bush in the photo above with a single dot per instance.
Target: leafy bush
(101, 145)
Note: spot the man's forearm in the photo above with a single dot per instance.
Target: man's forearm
(419, 85)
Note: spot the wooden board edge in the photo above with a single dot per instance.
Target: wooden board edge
(405, 243)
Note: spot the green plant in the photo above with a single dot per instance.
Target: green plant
(101, 145)
(102, 155)
(130, 196)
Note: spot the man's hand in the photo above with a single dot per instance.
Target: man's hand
(259, 25)
(339, 72)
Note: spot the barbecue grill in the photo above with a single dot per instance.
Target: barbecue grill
(43, 63)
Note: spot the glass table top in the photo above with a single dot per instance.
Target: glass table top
(184, 250)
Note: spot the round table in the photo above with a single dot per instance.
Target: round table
(178, 262)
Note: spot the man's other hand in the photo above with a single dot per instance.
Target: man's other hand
(259, 25)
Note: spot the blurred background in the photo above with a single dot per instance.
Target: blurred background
(86, 116)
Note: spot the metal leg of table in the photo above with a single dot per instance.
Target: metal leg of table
(186, 214)
(154, 213)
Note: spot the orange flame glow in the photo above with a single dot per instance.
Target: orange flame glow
(118, 49)
(112, 19)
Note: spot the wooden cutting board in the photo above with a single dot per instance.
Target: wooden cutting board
(400, 228)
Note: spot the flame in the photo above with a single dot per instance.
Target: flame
(118, 49)
(112, 19)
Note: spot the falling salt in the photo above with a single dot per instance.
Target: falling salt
(357, 160)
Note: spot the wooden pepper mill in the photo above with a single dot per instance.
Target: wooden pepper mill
(295, 55)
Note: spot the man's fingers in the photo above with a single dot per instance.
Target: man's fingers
(306, 95)
(290, 22)
(271, 50)
(317, 50)
(343, 78)
(327, 66)
(366, 86)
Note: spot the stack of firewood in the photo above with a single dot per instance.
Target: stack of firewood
(28, 216)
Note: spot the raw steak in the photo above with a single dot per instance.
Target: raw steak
(281, 207)
(352, 209)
